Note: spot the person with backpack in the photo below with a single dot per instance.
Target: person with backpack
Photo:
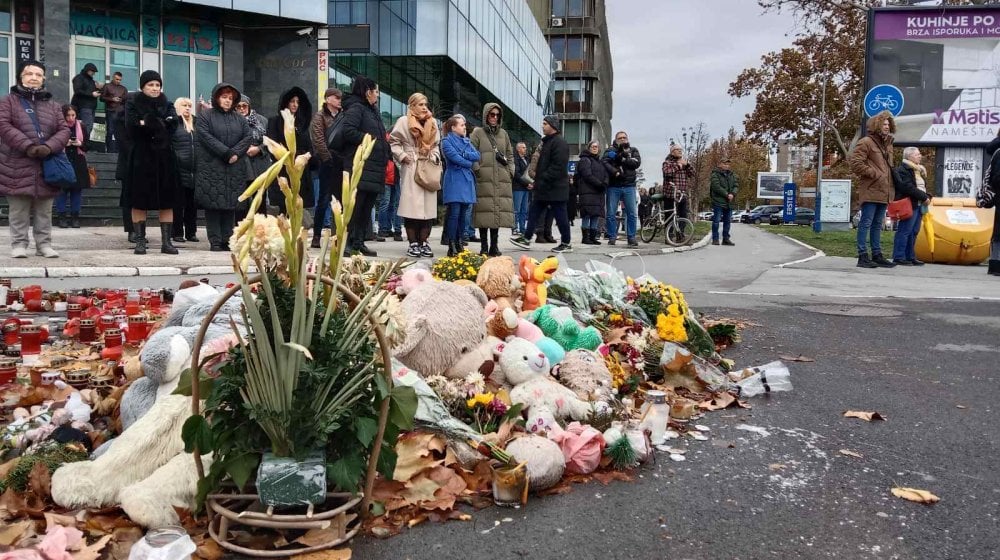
(330, 165)
(414, 136)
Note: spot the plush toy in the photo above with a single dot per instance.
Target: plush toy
(546, 463)
(474, 360)
(586, 374)
(582, 447)
(412, 278)
(525, 368)
(533, 275)
(498, 279)
(443, 323)
(551, 349)
(559, 325)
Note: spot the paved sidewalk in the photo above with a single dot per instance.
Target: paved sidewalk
(105, 251)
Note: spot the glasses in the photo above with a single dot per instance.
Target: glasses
(494, 114)
(622, 138)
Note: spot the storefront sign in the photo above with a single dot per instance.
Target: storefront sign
(116, 29)
(835, 200)
(279, 63)
(961, 176)
(788, 208)
(192, 37)
(150, 32)
(322, 61)
(25, 48)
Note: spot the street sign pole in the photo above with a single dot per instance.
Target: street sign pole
(818, 219)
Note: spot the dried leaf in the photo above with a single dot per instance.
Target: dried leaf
(777, 466)
(333, 554)
(718, 402)
(796, 359)
(13, 533)
(106, 523)
(53, 519)
(866, 416)
(480, 478)
(915, 495)
(420, 489)
(449, 480)
(850, 453)
(40, 480)
(606, 477)
(92, 552)
(415, 452)
(317, 537)
(208, 549)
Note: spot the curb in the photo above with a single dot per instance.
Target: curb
(816, 252)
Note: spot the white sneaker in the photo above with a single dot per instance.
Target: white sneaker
(46, 251)
(19, 253)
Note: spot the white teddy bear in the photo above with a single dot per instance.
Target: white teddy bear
(526, 369)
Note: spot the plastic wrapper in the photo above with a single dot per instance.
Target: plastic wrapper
(284, 481)
(682, 368)
(771, 377)
(166, 543)
(601, 285)
(431, 411)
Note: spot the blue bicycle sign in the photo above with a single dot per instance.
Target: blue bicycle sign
(884, 97)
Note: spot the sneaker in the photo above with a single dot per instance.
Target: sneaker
(414, 251)
(865, 262)
(880, 260)
(47, 252)
(19, 253)
(563, 248)
(728, 242)
(425, 251)
(632, 242)
(715, 242)
(902, 262)
(397, 236)
(521, 242)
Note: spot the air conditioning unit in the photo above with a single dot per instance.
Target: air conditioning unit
(558, 22)
(559, 66)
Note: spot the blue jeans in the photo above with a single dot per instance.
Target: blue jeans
(521, 200)
(537, 210)
(724, 214)
(388, 221)
(456, 221)
(906, 237)
(74, 197)
(590, 222)
(467, 228)
(872, 219)
(111, 134)
(87, 118)
(615, 196)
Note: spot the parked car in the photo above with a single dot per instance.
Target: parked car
(803, 217)
(888, 225)
(704, 215)
(760, 214)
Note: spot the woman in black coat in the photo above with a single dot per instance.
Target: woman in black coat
(591, 179)
(222, 164)
(296, 101)
(149, 174)
(361, 117)
(72, 195)
(183, 144)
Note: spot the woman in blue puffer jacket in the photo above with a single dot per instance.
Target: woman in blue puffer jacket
(459, 186)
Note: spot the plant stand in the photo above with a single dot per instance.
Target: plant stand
(229, 510)
(245, 509)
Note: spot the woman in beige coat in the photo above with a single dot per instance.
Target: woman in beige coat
(416, 134)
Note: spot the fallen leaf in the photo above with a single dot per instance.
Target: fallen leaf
(92, 552)
(40, 480)
(415, 452)
(796, 358)
(850, 453)
(207, 549)
(53, 519)
(449, 480)
(776, 466)
(105, 523)
(866, 416)
(317, 537)
(333, 554)
(606, 477)
(7, 467)
(420, 489)
(718, 402)
(416, 520)
(915, 495)
(480, 478)
(122, 541)
(13, 533)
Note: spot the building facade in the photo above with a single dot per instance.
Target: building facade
(793, 158)
(460, 53)
(577, 33)
(194, 44)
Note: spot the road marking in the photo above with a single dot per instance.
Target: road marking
(854, 296)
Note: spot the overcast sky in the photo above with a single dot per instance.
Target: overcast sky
(673, 61)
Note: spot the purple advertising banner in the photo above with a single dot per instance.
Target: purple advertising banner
(935, 24)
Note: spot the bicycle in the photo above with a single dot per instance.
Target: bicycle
(677, 230)
(882, 102)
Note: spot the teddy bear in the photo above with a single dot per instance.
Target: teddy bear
(413, 277)
(521, 365)
(558, 324)
(586, 374)
(498, 279)
(533, 274)
(474, 360)
(443, 323)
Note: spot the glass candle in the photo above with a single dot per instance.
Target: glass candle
(155, 300)
(112, 338)
(11, 330)
(74, 310)
(107, 322)
(655, 415)
(88, 330)
(38, 305)
(510, 486)
(137, 328)
(29, 293)
(31, 340)
(8, 371)
(49, 377)
(13, 351)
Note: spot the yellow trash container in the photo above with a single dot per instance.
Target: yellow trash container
(961, 232)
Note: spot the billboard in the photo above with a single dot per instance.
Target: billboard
(772, 185)
(938, 71)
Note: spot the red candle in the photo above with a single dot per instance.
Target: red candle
(8, 371)
(38, 305)
(74, 310)
(137, 328)
(11, 330)
(29, 293)
(112, 338)
(88, 331)
(107, 322)
(31, 340)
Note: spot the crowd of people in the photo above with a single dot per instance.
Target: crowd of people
(178, 157)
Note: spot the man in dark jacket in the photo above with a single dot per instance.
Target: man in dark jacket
(551, 186)
(625, 160)
(361, 117)
(85, 94)
(113, 94)
(723, 192)
(330, 165)
(522, 188)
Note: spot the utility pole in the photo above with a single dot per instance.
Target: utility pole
(817, 220)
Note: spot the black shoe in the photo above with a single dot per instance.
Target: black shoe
(140, 237)
(494, 251)
(902, 262)
(398, 236)
(315, 242)
(632, 242)
(364, 250)
(473, 238)
(444, 240)
(585, 238)
(178, 239)
(192, 238)
(74, 220)
(454, 249)
(879, 260)
(993, 268)
(612, 241)
(61, 221)
(413, 251)
(549, 239)
(166, 245)
(728, 242)
(379, 238)
(425, 250)
(369, 237)
(916, 262)
(715, 242)
(217, 248)
(522, 242)
(131, 237)
(563, 248)
(865, 262)
(594, 237)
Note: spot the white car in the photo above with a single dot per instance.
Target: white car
(738, 216)
(704, 215)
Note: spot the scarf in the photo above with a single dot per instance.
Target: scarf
(919, 173)
(423, 131)
(78, 134)
(257, 128)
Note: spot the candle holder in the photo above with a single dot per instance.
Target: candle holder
(79, 378)
(88, 331)
(31, 340)
(510, 485)
(8, 371)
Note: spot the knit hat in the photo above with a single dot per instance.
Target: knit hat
(245, 99)
(149, 76)
(553, 121)
(332, 91)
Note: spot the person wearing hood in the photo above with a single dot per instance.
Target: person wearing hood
(871, 161)
(330, 165)
(23, 146)
(256, 153)
(297, 102)
(494, 208)
(184, 145)
(361, 117)
(85, 94)
(221, 163)
(724, 186)
(592, 177)
(150, 179)
(416, 135)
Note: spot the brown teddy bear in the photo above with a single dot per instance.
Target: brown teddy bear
(499, 281)
(586, 374)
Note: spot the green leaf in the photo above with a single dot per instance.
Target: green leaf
(365, 428)
(346, 472)
(402, 407)
(197, 433)
(241, 467)
(205, 385)
(387, 461)
(383, 386)
(378, 509)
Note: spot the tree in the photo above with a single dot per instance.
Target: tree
(747, 157)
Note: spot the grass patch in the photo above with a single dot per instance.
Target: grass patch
(833, 243)
(701, 229)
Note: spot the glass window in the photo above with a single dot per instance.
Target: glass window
(126, 61)
(176, 75)
(5, 20)
(4, 64)
(340, 13)
(206, 75)
(574, 48)
(558, 45)
(359, 12)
